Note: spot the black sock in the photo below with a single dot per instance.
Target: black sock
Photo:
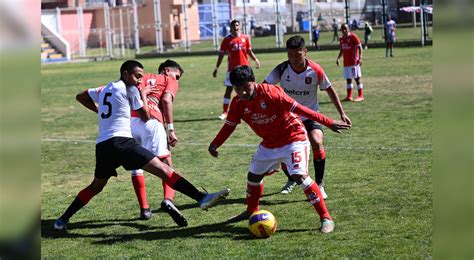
(185, 187)
(75, 206)
(319, 170)
(285, 171)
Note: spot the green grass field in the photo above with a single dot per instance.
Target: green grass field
(378, 174)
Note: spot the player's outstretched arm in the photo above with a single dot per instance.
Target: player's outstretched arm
(220, 138)
(336, 126)
(337, 103)
(86, 101)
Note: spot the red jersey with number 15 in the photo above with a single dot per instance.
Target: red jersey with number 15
(270, 116)
(160, 84)
(237, 48)
(348, 45)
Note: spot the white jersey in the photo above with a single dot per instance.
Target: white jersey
(115, 103)
(302, 87)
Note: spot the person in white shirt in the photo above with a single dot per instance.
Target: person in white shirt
(300, 78)
(116, 147)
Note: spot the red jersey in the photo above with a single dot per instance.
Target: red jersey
(349, 49)
(237, 48)
(161, 84)
(270, 116)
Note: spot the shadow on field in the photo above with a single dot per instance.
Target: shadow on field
(197, 119)
(242, 202)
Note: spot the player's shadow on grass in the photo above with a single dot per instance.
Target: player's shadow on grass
(241, 201)
(197, 120)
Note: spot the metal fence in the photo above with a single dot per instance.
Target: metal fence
(122, 35)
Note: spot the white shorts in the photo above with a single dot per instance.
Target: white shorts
(151, 135)
(227, 80)
(294, 155)
(352, 72)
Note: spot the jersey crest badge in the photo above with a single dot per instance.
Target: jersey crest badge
(263, 105)
(307, 80)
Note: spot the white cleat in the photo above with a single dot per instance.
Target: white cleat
(323, 192)
(327, 226)
(223, 116)
(288, 188)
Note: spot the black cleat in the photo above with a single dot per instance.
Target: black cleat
(170, 208)
(145, 214)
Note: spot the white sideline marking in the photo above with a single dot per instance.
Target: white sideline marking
(395, 149)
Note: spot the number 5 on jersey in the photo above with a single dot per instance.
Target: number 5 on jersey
(108, 105)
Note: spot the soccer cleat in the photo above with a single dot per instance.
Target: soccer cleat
(323, 192)
(327, 226)
(288, 188)
(59, 224)
(223, 116)
(359, 99)
(170, 208)
(145, 214)
(347, 99)
(210, 199)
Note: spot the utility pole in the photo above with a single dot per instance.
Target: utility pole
(346, 10)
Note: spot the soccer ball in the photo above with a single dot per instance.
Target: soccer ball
(262, 224)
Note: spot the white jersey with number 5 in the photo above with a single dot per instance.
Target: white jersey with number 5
(115, 101)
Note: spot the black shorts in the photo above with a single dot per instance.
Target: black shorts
(310, 125)
(119, 151)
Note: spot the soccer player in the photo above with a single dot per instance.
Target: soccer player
(237, 46)
(115, 146)
(151, 135)
(272, 115)
(390, 27)
(351, 48)
(300, 78)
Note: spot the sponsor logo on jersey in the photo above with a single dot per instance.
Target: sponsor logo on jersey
(261, 119)
(296, 92)
(247, 110)
(308, 80)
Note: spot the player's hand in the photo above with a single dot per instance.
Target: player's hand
(257, 62)
(337, 126)
(213, 150)
(172, 138)
(337, 62)
(146, 90)
(214, 74)
(359, 61)
(346, 119)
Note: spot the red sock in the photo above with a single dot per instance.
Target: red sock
(349, 92)
(168, 192)
(254, 193)
(361, 94)
(225, 107)
(86, 195)
(319, 155)
(314, 196)
(138, 182)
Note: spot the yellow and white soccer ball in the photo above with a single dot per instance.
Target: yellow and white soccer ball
(262, 224)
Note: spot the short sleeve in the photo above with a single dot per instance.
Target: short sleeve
(134, 98)
(171, 86)
(224, 45)
(275, 76)
(94, 93)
